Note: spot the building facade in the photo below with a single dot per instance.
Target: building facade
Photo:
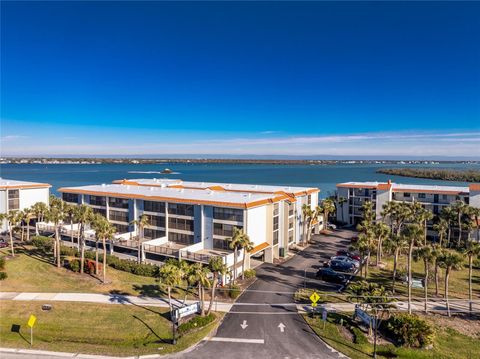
(433, 198)
(193, 220)
(18, 195)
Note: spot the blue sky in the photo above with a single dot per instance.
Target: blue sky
(311, 78)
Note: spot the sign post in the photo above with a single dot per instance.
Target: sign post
(324, 317)
(180, 313)
(31, 323)
(314, 298)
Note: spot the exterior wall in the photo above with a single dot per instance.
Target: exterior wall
(207, 226)
(257, 224)
(383, 197)
(30, 196)
(197, 223)
(342, 212)
(474, 198)
(3, 209)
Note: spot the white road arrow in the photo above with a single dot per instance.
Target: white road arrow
(282, 327)
(244, 324)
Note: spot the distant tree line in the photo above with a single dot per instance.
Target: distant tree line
(431, 173)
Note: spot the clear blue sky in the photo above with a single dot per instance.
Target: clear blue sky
(312, 78)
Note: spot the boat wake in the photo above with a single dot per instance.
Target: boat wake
(155, 172)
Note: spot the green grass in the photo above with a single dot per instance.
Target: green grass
(448, 343)
(94, 329)
(29, 272)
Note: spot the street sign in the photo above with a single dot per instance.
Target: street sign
(183, 312)
(363, 315)
(314, 298)
(324, 315)
(31, 321)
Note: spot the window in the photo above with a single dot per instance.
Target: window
(118, 216)
(466, 200)
(118, 202)
(275, 237)
(290, 223)
(70, 197)
(290, 236)
(276, 209)
(97, 201)
(444, 196)
(421, 195)
(275, 223)
(228, 214)
(406, 194)
(180, 238)
(291, 209)
(102, 211)
(220, 244)
(180, 223)
(121, 228)
(13, 199)
(226, 230)
(153, 233)
(151, 206)
(309, 199)
(156, 221)
(180, 209)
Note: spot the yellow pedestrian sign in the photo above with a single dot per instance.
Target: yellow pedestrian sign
(314, 298)
(31, 321)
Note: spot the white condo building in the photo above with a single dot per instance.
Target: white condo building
(18, 195)
(192, 220)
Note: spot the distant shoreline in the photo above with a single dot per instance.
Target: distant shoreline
(432, 173)
(95, 160)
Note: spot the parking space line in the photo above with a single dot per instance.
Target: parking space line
(237, 340)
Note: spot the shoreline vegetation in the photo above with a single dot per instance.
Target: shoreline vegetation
(105, 160)
(432, 173)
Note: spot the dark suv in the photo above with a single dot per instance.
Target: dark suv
(329, 275)
(342, 266)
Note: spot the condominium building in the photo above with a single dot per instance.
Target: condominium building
(18, 195)
(433, 198)
(193, 220)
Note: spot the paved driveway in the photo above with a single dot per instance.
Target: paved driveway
(270, 326)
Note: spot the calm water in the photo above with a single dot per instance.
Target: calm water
(324, 177)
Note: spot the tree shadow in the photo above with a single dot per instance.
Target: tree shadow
(160, 340)
(120, 297)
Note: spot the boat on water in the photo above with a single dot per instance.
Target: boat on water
(166, 171)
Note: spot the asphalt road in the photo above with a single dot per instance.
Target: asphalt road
(274, 329)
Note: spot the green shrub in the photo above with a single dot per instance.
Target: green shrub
(44, 244)
(74, 265)
(3, 275)
(146, 270)
(68, 251)
(2, 263)
(250, 273)
(195, 323)
(409, 330)
(234, 291)
(358, 336)
(476, 263)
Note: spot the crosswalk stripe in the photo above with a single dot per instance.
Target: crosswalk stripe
(237, 340)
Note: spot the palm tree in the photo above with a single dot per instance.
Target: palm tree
(425, 216)
(395, 244)
(412, 234)
(450, 260)
(363, 245)
(381, 231)
(40, 209)
(141, 223)
(459, 208)
(426, 254)
(28, 214)
(475, 213)
(398, 213)
(56, 215)
(341, 202)
(448, 215)
(437, 252)
(198, 275)
(328, 206)
(235, 243)
(20, 216)
(12, 219)
(246, 246)
(98, 222)
(170, 276)
(218, 268)
(70, 210)
(104, 230)
(84, 216)
(441, 227)
(471, 251)
(307, 214)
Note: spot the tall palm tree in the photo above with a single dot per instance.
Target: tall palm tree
(170, 276)
(104, 230)
(364, 245)
(448, 215)
(472, 250)
(307, 214)
(441, 227)
(450, 260)
(218, 268)
(12, 219)
(40, 209)
(437, 252)
(141, 223)
(328, 206)
(70, 210)
(198, 275)
(395, 244)
(341, 202)
(427, 255)
(56, 215)
(398, 213)
(28, 214)
(412, 234)
(235, 243)
(381, 231)
(98, 222)
(475, 213)
(84, 216)
(459, 208)
(20, 217)
(425, 216)
(246, 246)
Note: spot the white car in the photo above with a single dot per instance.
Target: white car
(346, 259)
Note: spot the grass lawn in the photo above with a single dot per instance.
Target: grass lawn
(448, 343)
(28, 272)
(94, 329)
(458, 283)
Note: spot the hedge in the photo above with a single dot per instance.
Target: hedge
(409, 330)
(3, 275)
(234, 291)
(250, 273)
(195, 323)
(44, 244)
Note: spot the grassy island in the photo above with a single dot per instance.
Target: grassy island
(432, 173)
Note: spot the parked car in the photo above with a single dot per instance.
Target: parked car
(329, 275)
(346, 259)
(3, 244)
(341, 266)
(346, 253)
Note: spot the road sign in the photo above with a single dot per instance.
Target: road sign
(324, 315)
(31, 321)
(314, 298)
(185, 311)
